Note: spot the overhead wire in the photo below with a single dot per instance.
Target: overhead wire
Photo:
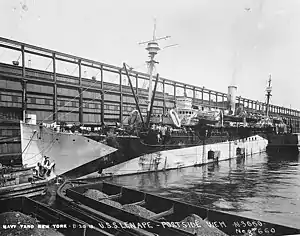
(104, 92)
(93, 83)
(49, 146)
(48, 65)
(29, 142)
(107, 91)
(74, 70)
(65, 105)
(67, 70)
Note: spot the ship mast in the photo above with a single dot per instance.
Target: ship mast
(268, 90)
(152, 48)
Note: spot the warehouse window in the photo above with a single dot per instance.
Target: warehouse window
(14, 98)
(47, 101)
(15, 132)
(33, 100)
(74, 104)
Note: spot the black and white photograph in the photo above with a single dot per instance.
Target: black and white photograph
(149, 118)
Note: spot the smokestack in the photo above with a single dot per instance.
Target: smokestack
(231, 99)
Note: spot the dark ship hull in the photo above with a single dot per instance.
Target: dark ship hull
(284, 142)
(145, 152)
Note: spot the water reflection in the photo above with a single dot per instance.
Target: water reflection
(259, 186)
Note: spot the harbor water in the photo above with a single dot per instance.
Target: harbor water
(261, 186)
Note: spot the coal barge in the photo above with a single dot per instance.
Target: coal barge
(131, 210)
(101, 208)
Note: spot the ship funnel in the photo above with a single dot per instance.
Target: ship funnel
(231, 99)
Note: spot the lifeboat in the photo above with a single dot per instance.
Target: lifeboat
(175, 118)
(208, 117)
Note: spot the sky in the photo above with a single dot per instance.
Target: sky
(220, 42)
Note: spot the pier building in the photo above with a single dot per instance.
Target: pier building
(54, 94)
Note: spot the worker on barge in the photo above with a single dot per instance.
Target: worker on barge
(48, 166)
(44, 168)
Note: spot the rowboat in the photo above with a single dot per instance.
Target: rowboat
(16, 182)
(117, 207)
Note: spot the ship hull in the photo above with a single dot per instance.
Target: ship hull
(187, 156)
(130, 146)
(280, 143)
(73, 155)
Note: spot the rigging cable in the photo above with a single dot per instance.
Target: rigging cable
(29, 142)
(48, 65)
(104, 92)
(69, 101)
(46, 148)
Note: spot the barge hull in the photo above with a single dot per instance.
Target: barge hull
(165, 210)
